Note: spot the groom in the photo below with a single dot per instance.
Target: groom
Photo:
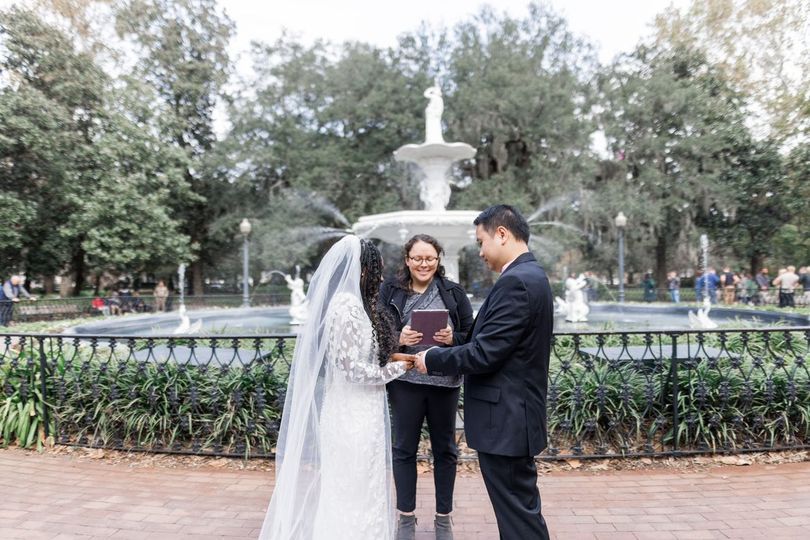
(505, 361)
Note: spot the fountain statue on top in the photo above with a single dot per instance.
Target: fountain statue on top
(298, 298)
(434, 158)
(574, 306)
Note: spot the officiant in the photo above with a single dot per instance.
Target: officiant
(420, 285)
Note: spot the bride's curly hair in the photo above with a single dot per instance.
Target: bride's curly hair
(371, 265)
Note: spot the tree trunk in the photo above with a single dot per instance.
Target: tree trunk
(49, 284)
(197, 278)
(78, 272)
(66, 286)
(756, 263)
(661, 262)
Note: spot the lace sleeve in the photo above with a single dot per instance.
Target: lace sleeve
(351, 349)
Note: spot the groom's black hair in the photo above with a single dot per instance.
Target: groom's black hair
(504, 215)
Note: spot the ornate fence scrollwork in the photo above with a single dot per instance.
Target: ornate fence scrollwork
(610, 394)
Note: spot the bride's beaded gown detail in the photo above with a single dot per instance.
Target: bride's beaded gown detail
(355, 500)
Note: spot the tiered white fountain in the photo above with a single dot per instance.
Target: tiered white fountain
(434, 157)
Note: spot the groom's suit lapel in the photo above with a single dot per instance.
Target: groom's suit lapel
(521, 259)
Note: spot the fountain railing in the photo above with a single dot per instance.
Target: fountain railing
(610, 394)
(64, 308)
(635, 293)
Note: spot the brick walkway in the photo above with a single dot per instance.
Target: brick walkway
(61, 496)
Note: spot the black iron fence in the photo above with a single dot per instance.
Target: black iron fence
(610, 393)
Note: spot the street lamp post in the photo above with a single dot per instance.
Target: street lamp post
(621, 223)
(245, 228)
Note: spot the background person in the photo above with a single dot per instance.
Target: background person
(763, 282)
(113, 301)
(414, 397)
(161, 293)
(786, 281)
(674, 287)
(729, 281)
(505, 367)
(712, 281)
(9, 295)
(649, 287)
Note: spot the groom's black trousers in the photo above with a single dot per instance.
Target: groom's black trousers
(410, 405)
(512, 486)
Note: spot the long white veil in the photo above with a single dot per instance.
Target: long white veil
(298, 459)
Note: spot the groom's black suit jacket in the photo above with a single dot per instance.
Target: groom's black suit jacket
(505, 363)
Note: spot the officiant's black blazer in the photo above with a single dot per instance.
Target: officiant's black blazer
(505, 363)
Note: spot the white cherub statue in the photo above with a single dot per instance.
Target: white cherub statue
(574, 307)
(433, 115)
(298, 298)
(701, 319)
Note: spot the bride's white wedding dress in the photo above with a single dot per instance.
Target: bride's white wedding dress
(333, 456)
(355, 494)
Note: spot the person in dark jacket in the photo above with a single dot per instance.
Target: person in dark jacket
(414, 397)
(9, 295)
(505, 365)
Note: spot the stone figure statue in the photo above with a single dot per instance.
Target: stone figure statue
(433, 115)
(701, 318)
(298, 298)
(574, 306)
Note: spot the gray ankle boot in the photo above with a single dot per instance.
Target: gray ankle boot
(444, 527)
(406, 528)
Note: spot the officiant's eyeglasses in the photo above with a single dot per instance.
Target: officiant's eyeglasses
(420, 260)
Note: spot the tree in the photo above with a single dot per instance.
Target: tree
(182, 45)
(88, 185)
(764, 48)
(672, 120)
(49, 114)
(792, 241)
(311, 144)
(519, 91)
(757, 203)
(124, 223)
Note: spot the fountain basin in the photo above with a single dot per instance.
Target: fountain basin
(215, 322)
(453, 228)
(276, 320)
(671, 317)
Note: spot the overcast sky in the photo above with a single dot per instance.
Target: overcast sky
(613, 27)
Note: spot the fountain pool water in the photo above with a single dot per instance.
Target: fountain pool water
(276, 320)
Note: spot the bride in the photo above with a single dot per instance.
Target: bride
(333, 458)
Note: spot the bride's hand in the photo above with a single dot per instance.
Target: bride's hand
(407, 359)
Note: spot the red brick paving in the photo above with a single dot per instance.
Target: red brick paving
(61, 497)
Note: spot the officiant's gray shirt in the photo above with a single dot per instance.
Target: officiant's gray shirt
(432, 300)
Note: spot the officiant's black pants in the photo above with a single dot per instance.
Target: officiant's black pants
(411, 404)
(512, 487)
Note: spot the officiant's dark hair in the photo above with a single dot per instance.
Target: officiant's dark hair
(382, 324)
(404, 273)
(503, 215)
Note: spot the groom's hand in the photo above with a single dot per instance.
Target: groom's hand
(419, 363)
